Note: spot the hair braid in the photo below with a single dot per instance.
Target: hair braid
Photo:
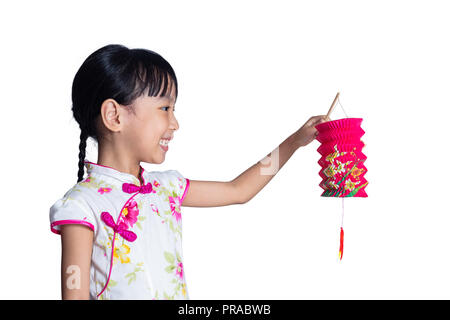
(82, 155)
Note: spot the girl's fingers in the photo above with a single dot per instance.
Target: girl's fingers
(318, 119)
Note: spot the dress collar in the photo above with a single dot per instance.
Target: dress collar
(122, 177)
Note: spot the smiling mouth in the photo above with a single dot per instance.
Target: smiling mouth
(164, 142)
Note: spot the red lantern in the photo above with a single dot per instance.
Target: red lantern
(342, 161)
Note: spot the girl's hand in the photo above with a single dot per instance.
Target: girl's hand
(307, 132)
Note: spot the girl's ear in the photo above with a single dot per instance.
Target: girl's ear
(111, 115)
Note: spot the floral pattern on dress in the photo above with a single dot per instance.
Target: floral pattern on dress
(130, 213)
(128, 218)
(121, 252)
(133, 275)
(104, 190)
(121, 249)
(118, 265)
(172, 217)
(92, 182)
(155, 209)
(175, 207)
(101, 284)
(175, 268)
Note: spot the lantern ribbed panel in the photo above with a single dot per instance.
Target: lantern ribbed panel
(342, 159)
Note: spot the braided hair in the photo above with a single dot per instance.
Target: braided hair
(115, 72)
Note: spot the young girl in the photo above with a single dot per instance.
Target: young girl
(121, 226)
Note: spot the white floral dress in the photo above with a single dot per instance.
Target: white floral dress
(137, 248)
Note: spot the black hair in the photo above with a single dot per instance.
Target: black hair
(115, 72)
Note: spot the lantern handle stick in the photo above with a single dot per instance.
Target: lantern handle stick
(332, 106)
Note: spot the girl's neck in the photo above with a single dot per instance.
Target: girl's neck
(136, 172)
(119, 159)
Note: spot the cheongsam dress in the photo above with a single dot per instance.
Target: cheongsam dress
(137, 247)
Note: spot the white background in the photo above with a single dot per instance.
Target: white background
(250, 73)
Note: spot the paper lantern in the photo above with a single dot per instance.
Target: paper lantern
(342, 161)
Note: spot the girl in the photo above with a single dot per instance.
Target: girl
(121, 226)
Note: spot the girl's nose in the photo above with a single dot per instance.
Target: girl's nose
(174, 122)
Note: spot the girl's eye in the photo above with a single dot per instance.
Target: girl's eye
(169, 107)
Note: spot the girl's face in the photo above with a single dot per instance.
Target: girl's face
(154, 120)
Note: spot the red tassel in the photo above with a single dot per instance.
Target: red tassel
(341, 244)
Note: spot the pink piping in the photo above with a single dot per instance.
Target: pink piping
(114, 239)
(57, 223)
(142, 173)
(185, 189)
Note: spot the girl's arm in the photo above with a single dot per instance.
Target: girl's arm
(211, 194)
(250, 182)
(76, 243)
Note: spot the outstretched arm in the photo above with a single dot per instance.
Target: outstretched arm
(251, 181)
(211, 194)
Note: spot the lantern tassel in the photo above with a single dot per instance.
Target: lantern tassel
(341, 238)
(341, 244)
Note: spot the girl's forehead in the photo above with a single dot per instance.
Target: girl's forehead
(168, 97)
(148, 100)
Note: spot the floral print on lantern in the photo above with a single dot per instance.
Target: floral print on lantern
(337, 172)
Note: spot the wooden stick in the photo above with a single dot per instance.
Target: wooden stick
(332, 107)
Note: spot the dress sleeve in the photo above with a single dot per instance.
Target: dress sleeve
(179, 183)
(70, 211)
